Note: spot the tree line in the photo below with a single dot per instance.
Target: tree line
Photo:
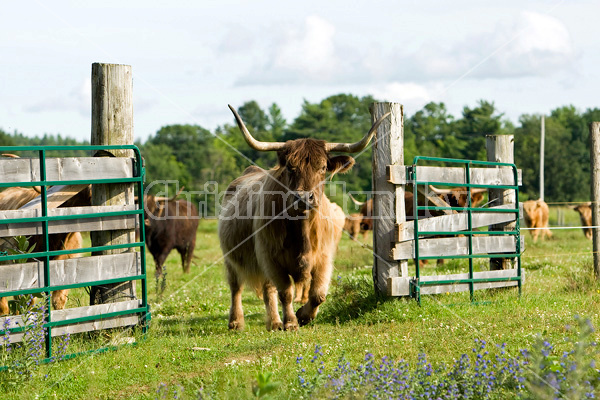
(194, 155)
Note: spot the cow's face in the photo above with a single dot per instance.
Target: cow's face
(303, 165)
(458, 198)
(529, 208)
(151, 208)
(585, 213)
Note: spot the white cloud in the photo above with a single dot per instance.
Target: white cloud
(411, 95)
(305, 55)
(79, 100)
(533, 45)
(240, 39)
(312, 53)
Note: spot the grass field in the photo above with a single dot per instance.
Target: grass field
(189, 349)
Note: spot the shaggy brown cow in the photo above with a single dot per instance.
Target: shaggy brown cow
(16, 197)
(536, 216)
(276, 227)
(170, 224)
(585, 213)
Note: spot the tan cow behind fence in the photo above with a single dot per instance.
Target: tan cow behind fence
(16, 197)
(536, 213)
(585, 214)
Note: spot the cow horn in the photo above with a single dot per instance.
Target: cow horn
(358, 203)
(439, 191)
(361, 144)
(449, 191)
(255, 144)
(10, 155)
(178, 193)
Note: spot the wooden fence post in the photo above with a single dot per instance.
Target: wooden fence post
(388, 199)
(500, 148)
(112, 124)
(595, 167)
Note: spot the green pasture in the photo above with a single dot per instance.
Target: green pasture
(189, 352)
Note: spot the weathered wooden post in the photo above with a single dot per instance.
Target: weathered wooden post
(388, 199)
(112, 124)
(595, 160)
(500, 148)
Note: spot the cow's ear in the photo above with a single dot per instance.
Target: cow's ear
(339, 164)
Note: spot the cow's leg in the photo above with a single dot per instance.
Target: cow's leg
(270, 298)
(302, 292)
(299, 292)
(535, 233)
(187, 253)
(161, 270)
(286, 296)
(285, 290)
(319, 285)
(236, 313)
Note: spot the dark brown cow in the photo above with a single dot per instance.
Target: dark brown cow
(585, 213)
(170, 224)
(276, 227)
(535, 214)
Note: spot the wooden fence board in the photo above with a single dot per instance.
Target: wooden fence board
(72, 313)
(71, 271)
(400, 286)
(68, 225)
(479, 176)
(455, 246)
(454, 222)
(463, 287)
(64, 169)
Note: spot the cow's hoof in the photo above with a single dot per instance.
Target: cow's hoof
(303, 321)
(291, 326)
(305, 317)
(276, 326)
(236, 325)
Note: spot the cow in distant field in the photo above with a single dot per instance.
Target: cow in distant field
(535, 214)
(170, 224)
(456, 197)
(14, 198)
(352, 225)
(585, 213)
(277, 228)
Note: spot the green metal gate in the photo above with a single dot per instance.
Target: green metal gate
(471, 279)
(44, 171)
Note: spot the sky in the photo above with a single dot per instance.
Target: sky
(192, 58)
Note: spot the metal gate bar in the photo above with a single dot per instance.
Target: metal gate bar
(412, 178)
(137, 179)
